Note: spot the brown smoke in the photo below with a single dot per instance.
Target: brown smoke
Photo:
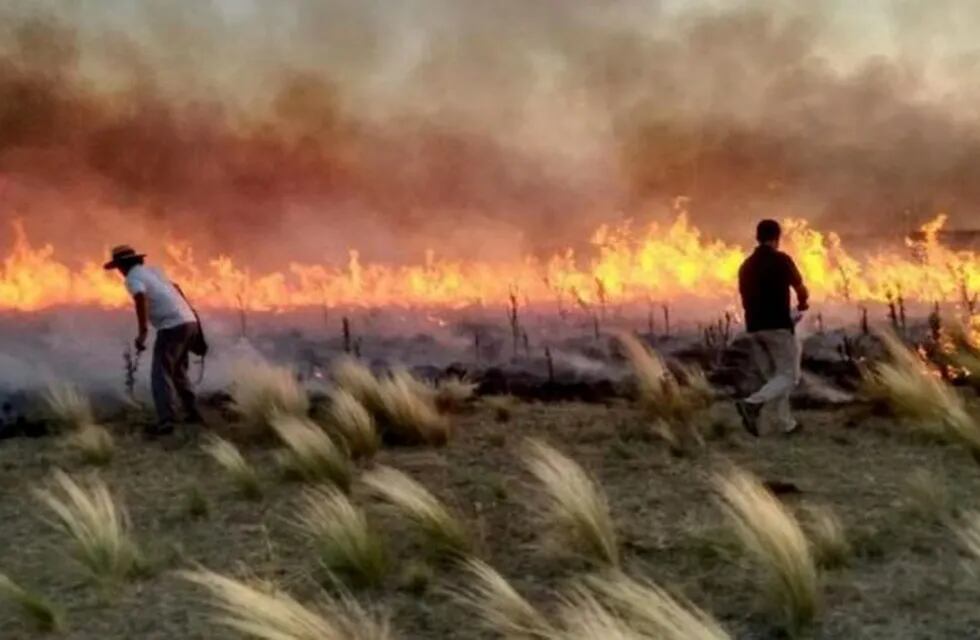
(302, 128)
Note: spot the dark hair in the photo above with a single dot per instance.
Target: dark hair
(768, 230)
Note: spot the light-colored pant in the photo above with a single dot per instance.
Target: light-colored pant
(777, 355)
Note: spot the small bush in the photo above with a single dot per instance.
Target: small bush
(310, 454)
(231, 460)
(576, 507)
(38, 610)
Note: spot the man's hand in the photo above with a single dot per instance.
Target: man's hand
(140, 341)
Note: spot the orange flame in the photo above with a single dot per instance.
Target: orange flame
(628, 266)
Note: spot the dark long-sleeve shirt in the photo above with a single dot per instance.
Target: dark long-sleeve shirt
(764, 280)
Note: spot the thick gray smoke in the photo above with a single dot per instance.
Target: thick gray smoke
(296, 129)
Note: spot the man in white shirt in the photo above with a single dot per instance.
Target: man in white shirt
(162, 304)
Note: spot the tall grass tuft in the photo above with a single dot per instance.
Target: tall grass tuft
(576, 507)
(828, 537)
(969, 533)
(94, 443)
(261, 391)
(98, 527)
(928, 495)
(38, 610)
(773, 536)
(310, 454)
(354, 423)
(409, 410)
(357, 379)
(501, 608)
(347, 543)
(443, 529)
(654, 612)
(584, 617)
(277, 616)
(231, 460)
(453, 393)
(69, 407)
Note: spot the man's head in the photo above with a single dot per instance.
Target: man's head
(124, 258)
(768, 233)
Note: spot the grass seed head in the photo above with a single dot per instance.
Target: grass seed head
(357, 379)
(310, 454)
(231, 460)
(354, 423)
(262, 391)
(502, 609)
(34, 607)
(409, 410)
(69, 407)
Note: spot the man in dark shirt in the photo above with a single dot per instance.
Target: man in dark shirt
(764, 281)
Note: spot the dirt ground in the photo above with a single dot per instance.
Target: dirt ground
(907, 579)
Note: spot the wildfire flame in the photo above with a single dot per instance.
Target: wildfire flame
(628, 265)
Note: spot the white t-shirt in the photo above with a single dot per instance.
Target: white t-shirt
(167, 308)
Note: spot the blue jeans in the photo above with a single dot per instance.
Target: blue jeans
(168, 377)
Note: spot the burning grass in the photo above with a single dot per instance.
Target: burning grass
(274, 615)
(310, 454)
(43, 615)
(501, 608)
(354, 423)
(346, 542)
(575, 506)
(774, 538)
(97, 526)
(262, 391)
(443, 529)
(234, 464)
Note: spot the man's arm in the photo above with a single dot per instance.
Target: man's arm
(796, 281)
(139, 300)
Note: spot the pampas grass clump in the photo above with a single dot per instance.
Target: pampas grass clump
(928, 495)
(654, 612)
(409, 410)
(774, 538)
(68, 405)
(585, 618)
(354, 424)
(501, 608)
(261, 391)
(231, 460)
(661, 394)
(346, 541)
(828, 537)
(576, 507)
(277, 616)
(443, 528)
(969, 533)
(97, 526)
(94, 443)
(42, 614)
(357, 379)
(453, 393)
(310, 454)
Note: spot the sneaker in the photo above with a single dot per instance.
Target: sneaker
(750, 416)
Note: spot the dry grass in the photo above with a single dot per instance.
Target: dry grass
(585, 618)
(44, 616)
(354, 423)
(357, 379)
(968, 531)
(443, 529)
(262, 391)
(501, 608)
(277, 616)
(774, 538)
(501, 406)
(409, 411)
(575, 507)
(828, 537)
(346, 542)
(231, 460)
(928, 495)
(68, 406)
(98, 527)
(654, 612)
(310, 454)
(94, 443)
(453, 393)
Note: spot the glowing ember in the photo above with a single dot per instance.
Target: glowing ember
(628, 265)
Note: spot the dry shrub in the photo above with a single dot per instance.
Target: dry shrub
(98, 527)
(261, 391)
(828, 537)
(928, 495)
(34, 607)
(663, 395)
(354, 423)
(68, 406)
(774, 538)
(453, 393)
(501, 608)
(357, 379)
(231, 460)
(310, 454)
(346, 542)
(274, 615)
(575, 506)
(409, 411)
(443, 529)
(94, 443)
(654, 612)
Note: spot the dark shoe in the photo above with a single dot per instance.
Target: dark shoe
(158, 431)
(750, 416)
